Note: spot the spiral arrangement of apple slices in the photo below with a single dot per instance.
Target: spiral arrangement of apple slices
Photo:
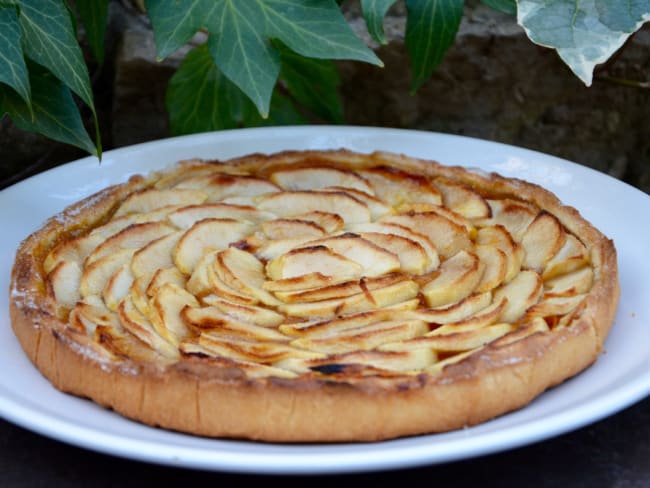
(317, 268)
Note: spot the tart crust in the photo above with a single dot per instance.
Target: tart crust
(205, 396)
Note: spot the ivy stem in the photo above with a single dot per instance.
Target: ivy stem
(625, 82)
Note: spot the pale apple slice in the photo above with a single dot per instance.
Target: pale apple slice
(133, 237)
(379, 298)
(498, 237)
(289, 204)
(90, 313)
(412, 256)
(331, 222)
(522, 292)
(453, 341)
(572, 256)
(375, 205)
(265, 352)
(315, 178)
(292, 228)
(269, 250)
(223, 187)
(314, 259)
(147, 200)
(325, 328)
(301, 283)
(245, 313)
(487, 316)
(64, 282)
(543, 238)
(199, 283)
(142, 328)
(535, 326)
(395, 186)
(243, 272)
(117, 287)
(340, 290)
(457, 279)
(139, 297)
(95, 276)
(462, 199)
(455, 312)
(219, 287)
(190, 174)
(448, 237)
(155, 255)
(573, 283)
(205, 236)
(554, 306)
(75, 250)
(168, 302)
(186, 217)
(514, 215)
(365, 338)
(495, 262)
(214, 320)
(164, 276)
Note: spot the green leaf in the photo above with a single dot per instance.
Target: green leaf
(374, 12)
(54, 112)
(283, 112)
(94, 17)
(13, 70)
(313, 83)
(585, 33)
(505, 6)
(431, 28)
(240, 34)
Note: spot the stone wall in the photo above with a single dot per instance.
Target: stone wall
(493, 84)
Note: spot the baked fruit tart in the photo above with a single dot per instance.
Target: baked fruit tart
(314, 296)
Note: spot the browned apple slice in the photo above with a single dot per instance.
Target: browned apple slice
(402, 361)
(331, 222)
(133, 237)
(164, 276)
(396, 187)
(448, 237)
(64, 282)
(289, 204)
(155, 255)
(375, 205)
(314, 259)
(186, 217)
(456, 311)
(292, 228)
(168, 302)
(245, 313)
(498, 237)
(301, 283)
(412, 256)
(314, 178)
(223, 186)
(554, 306)
(150, 199)
(535, 326)
(268, 250)
(211, 319)
(457, 279)
(265, 352)
(572, 283)
(365, 338)
(243, 272)
(95, 276)
(496, 267)
(572, 256)
(522, 292)
(514, 215)
(219, 287)
(117, 287)
(339, 290)
(487, 316)
(191, 174)
(543, 238)
(207, 235)
(90, 313)
(462, 199)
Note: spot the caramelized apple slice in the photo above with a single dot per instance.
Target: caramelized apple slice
(572, 256)
(543, 238)
(514, 215)
(522, 292)
(64, 282)
(95, 276)
(375, 205)
(117, 287)
(331, 222)
(150, 199)
(395, 186)
(462, 199)
(498, 237)
(223, 186)
(292, 228)
(339, 290)
(573, 283)
(314, 259)
(164, 276)
(186, 217)
(168, 302)
(402, 361)
(495, 262)
(289, 204)
(243, 272)
(314, 178)
(211, 319)
(155, 255)
(264, 317)
(554, 306)
(412, 256)
(301, 283)
(457, 279)
(454, 312)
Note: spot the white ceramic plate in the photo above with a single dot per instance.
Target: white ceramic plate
(620, 377)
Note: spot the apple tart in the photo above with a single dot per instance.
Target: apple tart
(314, 296)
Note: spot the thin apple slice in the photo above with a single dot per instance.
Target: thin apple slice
(168, 302)
(301, 283)
(292, 228)
(90, 313)
(269, 250)
(147, 200)
(396, 187)
(314, 259)
(448, 237)
(64, 282)
(543, 238)
(487, 316)
(554, 306)
(340, 290)
(572, 256)
(289, 204)
(243, 272)
(462, 199)
(155, 255)
(95, 276)
(536, 326)
(219, 287)
(164, 276)
(522, 292)
(394, 361)
(212, 319)
(455, 312)
(514, 215)
(331, 222)
(412, 256)
(495, 262)
(315, 178)
(205, 236)
(117, 287)
(365, 338)
(572, 283)
(375, 205)
(186, 217)
(498, 237)
(222, 186)
(457, 279)
(264, 317)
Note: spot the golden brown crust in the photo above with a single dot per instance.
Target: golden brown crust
(199, 396)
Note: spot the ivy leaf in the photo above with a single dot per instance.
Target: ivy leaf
(313, 83)
(431, 28)
(94, 17)
(374, 12)
(13, 70)
(583, 32)
(200, 98)
(240, 34)
(53, 112)
(505, 6)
